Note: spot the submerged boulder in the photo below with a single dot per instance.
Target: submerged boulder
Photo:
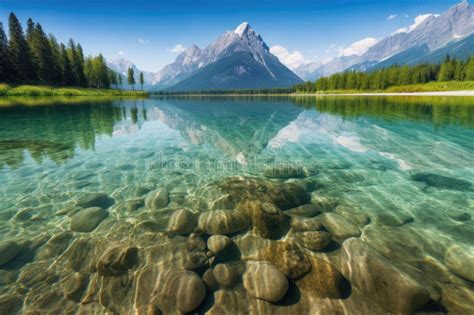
(86, 220)
(178, 290)
(460, 260)
(308, 210)
(217, 243)
(299, 224)
(323, 280)
(117, 260)
(225, 275)
(376, 277)
(285, 171)
(264, 281)
(182, 222)
(101, 200)
(313, 240)
(8, 251)
(267, 219)
(339, 227)
(157, 199)
(222, 222)
(440, 181)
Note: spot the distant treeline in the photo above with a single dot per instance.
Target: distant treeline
(36, 58)
(449, 70)
(228, 92)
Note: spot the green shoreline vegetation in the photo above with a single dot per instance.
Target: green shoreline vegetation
(35, 64)
(36, 90)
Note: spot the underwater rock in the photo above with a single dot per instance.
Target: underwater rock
(285, 171)
(264, 281)
(379, 279)
(55, 246)
(460, 260)
(195, 261)
(460, 216)
(182, 222)
(117, 260)
(8, 251)
(217, 243)
(439, 181)
(353, 214)
(323, 204)
(178, 290)
(236, 189)
(457, 299)
(267, 219)
(389, 219)
(287, 257)
(134, 204)
(225, 275)
(210, 281)
(196, 243)
(74, 286)
(323, 280)
(222, 222)
(339, 227)
(313, 240)
(101, 200)
(87, 219)
(157, 199)
(305, 224)
(308, 210)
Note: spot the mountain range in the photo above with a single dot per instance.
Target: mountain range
(240, 59)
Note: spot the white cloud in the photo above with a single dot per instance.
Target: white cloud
(391, 17)
(292, 59)
(143, 41)
(178, 49)
(121, 52)
(358, 48)
(418, 20)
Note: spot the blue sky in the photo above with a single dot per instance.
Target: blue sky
(147, 31)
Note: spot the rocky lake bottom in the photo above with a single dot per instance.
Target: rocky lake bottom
(345, 205)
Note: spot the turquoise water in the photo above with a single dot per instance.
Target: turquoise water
(405, 163)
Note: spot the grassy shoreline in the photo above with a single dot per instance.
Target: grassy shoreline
(38, 90)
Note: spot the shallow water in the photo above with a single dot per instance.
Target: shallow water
(405, 163)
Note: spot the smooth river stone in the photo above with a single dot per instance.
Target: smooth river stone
(460, 260)
(314, 240)
(100, 200)
(323, 204)
(267, 219)
(339, 227)
(264, 281)
(308, 210)
(157, 199)
(8, 251)
(182, 222)
(117, 260)
(87, 219)
(379, 279)
(457, 299)
(179, 290)
(299, 224)
(355, 215)
(285, 171)
(225, 275)
(222, 222)
(196, 243)
(217, 243)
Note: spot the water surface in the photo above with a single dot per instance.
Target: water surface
(405, 162)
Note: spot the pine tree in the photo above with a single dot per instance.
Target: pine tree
(19, 54)
(42, 55)
(67, 76)
(4, 62)
(142, 80)
(56, 60)
(469, 70)
(80, 65)
(446, 71)
(120, 80)
(131, 78)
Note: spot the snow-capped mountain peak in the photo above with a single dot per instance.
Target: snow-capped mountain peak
(243, 29)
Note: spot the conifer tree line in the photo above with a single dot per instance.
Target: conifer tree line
(450, 70)
(32, 57)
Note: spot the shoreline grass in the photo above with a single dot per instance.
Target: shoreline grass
(39, 90)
